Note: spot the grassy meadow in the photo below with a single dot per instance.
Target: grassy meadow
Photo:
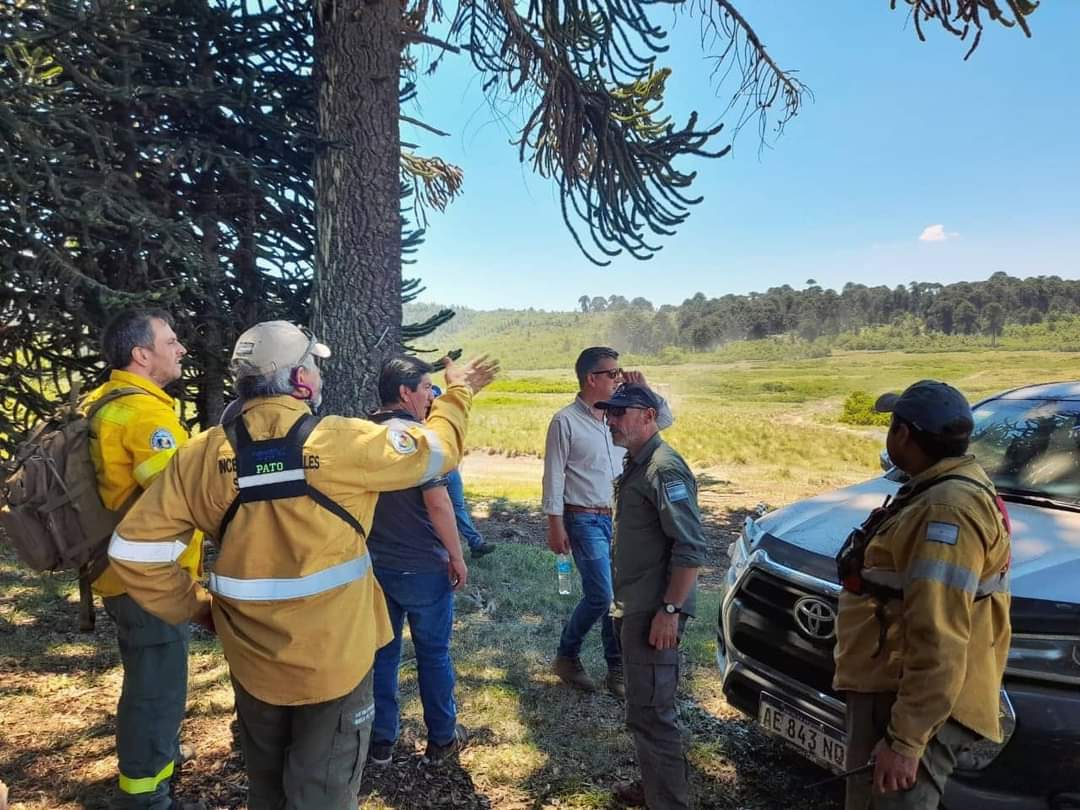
(768, 428)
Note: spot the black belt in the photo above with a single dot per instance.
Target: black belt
(587, 510)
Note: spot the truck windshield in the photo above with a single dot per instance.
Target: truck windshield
(1030, 445)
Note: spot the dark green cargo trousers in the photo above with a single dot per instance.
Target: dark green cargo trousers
(867, 718)
(152, 703)
(305, 757)
(652, 680)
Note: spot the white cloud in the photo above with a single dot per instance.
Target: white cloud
(936, 233)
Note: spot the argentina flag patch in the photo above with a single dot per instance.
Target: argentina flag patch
(946, 533)
(676, 491)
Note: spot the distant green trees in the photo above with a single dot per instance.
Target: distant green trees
(965, 308)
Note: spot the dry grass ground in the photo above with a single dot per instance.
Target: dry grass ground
(535, 744)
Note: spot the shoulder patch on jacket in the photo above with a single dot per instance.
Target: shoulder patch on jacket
(946, 533)
(402, 442)
(676, 491)
(162, 439)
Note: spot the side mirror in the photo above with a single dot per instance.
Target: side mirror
(886, 462)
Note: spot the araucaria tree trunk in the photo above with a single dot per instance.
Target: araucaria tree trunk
(357, 294)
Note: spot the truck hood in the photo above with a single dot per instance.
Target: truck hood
(1045, 541)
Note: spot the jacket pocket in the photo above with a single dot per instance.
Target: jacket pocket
(351, 737)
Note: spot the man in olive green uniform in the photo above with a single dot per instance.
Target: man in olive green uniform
(657, 549)
(923, 625)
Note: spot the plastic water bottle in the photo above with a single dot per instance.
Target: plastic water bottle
(562, 568)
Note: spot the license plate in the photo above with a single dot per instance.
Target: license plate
(816, 740)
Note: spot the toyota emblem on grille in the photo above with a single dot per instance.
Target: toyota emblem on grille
(815, 617)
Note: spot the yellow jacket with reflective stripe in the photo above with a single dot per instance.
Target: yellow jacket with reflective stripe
(132, 440)
(944, 651)
(297, 609)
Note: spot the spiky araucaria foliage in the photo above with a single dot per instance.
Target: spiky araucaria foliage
(961, 17)
(158, 154)
(586, 74)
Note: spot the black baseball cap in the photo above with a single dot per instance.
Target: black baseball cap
(930, 406)
(631, 395)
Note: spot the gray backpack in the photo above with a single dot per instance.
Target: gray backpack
(50, 510)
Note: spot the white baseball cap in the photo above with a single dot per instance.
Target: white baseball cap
(271, 346)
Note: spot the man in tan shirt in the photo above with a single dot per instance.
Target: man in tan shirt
(289, 500)
(580, 464)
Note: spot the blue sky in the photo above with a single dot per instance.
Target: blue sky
(902, 139)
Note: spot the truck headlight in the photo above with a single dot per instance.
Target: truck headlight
(1045, 658)
(739, 551)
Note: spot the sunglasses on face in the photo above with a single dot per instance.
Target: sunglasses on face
(612, 373)
(622, 411)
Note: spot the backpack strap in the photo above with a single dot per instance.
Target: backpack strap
(288, 482)
(900, 503)
(111, 396)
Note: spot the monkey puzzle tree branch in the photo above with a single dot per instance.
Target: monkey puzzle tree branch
(959, 17)
(418, 123)
(418, 37)
(596, 126)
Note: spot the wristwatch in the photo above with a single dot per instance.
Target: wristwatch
(670, 609)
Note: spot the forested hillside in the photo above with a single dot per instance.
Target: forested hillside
(1034, 313)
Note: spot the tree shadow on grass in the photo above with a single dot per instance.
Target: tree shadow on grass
(536, 744)
(58, 689)
(572, 746)
(46, 770)
(407, 783)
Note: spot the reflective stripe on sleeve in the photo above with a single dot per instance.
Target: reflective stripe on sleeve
(262, 480)
(948, 574)
(150, 468)
(273, 590)
(145, 784)
(153, 552)
(438, 454)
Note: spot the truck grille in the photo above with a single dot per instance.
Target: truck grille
(764, 629)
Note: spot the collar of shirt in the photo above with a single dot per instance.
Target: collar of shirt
(285, 401)
(386, 416)
(140, 382)
(584, 407)
(943, 467)
(645, 453)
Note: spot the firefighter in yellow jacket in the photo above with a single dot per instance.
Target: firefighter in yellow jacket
(133, 438)
(289, 499)
(923, 625)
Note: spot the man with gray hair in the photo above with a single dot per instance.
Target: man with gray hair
(289, 500)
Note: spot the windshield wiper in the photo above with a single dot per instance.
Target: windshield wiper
(1036, 498)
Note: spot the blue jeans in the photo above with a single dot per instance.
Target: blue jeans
(427, 601)
(590, 542)
(465, 527)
